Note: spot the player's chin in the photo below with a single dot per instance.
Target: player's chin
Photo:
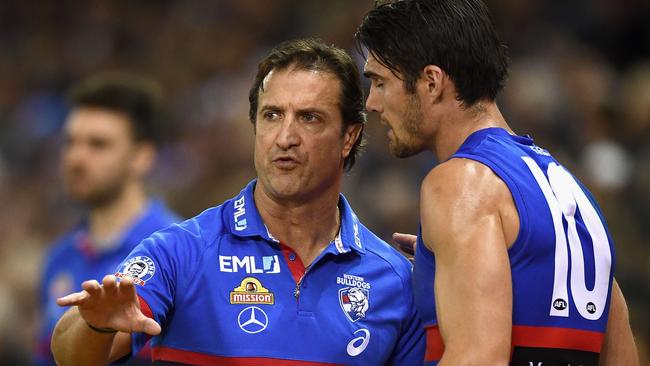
(402, 150)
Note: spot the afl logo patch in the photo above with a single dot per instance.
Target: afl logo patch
(139, 269)
(559, 304)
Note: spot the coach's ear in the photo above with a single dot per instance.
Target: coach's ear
(432, 84)
(350, 136)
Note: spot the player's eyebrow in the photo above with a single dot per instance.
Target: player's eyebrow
(370, 74)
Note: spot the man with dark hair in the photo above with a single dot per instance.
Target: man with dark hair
(325, 290)
(499, 213)
(109, 147)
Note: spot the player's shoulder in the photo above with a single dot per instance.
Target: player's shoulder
(160, 215)
(64, 244)
(201, 229)
(460, 178)
(383, 254)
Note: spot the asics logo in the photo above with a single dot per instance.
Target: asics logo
(354, 347)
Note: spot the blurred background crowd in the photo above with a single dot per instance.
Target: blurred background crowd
(579, 84)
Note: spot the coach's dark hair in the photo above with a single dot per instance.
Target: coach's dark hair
(313, 54)
(458, 36)
(137, 98)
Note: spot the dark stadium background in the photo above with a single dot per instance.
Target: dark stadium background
(579, 83)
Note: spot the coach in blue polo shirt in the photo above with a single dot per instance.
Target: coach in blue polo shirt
(282, 274)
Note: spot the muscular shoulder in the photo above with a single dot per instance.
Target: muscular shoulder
(458, 193)
(462, 182)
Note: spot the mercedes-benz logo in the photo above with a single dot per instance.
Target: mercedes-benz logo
(252, 320)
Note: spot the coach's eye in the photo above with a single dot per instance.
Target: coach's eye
(310, 117)
(271, 115)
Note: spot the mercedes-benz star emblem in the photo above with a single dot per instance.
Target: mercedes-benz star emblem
(252, 320)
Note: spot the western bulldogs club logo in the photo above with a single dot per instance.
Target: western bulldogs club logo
(139, 269)
(354, 302)
(354, 298)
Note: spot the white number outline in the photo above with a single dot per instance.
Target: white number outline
(564, 196)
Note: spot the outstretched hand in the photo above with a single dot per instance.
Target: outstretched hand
(112, 305)
(406, 242)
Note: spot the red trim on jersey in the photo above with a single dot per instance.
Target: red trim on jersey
(146, 310)
(295, 266)
(144, 307)
(202, 359)
(435, 347)
(85, 246)
(552, 337)
(524, 336)
(145, 352)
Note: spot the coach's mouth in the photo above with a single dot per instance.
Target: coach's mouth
(285, 162)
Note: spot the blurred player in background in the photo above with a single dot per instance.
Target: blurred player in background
(110, 138)
(283, 273)
(515, 247)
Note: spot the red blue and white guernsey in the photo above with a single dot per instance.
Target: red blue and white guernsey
(226, 292)
(562, 260)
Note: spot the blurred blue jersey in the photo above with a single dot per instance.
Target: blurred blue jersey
(226, 292)
(562, 260)
(72, 260)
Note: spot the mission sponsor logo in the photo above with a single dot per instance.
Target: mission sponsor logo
(139, 269)
(250, 291)
(249, 264)
(354, 297)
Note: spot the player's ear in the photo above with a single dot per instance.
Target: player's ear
(144, 158)
(432, 82)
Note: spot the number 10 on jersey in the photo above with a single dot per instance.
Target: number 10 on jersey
(565, 196)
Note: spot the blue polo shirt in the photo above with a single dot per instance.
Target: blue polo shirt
(226, 292)
(71, 260)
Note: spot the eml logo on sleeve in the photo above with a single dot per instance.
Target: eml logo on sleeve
(240, 211)
(249, 264)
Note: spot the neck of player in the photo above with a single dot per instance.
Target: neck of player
(457, 123)
(109, 222)
(307, 227)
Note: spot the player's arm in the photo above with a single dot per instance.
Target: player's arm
(618, 347)
(114, 305)
(460, 202)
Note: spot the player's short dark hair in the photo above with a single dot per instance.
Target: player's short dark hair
(136, 97)
(459, 36)
(313, 54)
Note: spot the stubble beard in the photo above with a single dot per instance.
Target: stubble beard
(412, 125)
(102, 194)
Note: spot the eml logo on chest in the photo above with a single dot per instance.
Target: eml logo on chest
(249, 264)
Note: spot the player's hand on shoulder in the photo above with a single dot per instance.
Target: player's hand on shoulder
(111, 305)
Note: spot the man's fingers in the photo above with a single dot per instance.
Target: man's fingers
(406, 242)
(149, 326)
(75, 298)
(110, 284)
(126, 286)
(92, 287)
(126, 281)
